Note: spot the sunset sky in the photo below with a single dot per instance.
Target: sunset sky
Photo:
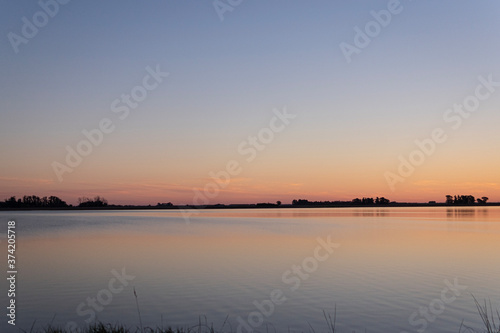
(265, 89)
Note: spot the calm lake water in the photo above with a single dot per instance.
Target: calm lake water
(377, 269)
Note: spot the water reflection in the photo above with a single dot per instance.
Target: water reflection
(371, 212)
(390, 262)
(392, 212)
(466, 213)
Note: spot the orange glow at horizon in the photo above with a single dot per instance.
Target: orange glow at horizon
(275, 175)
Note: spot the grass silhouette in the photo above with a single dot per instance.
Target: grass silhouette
(485, 311)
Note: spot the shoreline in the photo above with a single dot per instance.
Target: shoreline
(252, 206)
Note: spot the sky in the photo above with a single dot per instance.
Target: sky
(239, 101)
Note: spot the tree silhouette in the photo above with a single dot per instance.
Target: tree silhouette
(96, 202)
(482, 201)
(33, 201)
(461, 200)
(449, 199)
(367, 201)
(383, 201)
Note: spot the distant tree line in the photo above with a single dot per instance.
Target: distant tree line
(33, 201)
(356, 201)
(371, 201)
(97, 201)
(163, 204)
(268, 204)
(464, 200)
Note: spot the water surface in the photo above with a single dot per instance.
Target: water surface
(390, 264)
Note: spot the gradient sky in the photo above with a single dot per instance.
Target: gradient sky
(353, 120)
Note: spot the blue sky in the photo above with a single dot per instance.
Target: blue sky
(225, 79)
